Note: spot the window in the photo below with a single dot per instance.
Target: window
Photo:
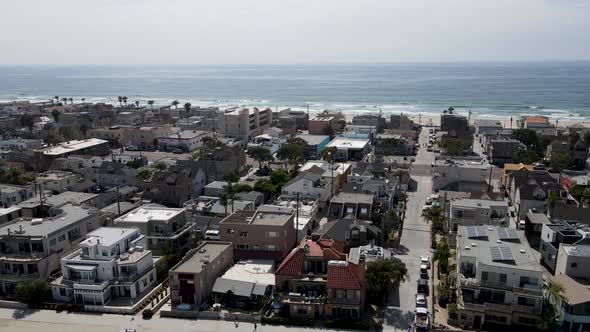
(502, 278)
(244, 234)
(272, 234)
(543, 247)
(574, 265)
(364, 210)
(53, 242)
(243, 246)
(145, 282)
(484, 276)
(271, 247)
(158, 229)
(61, 238)
(62, 291)
(105, 252)
(460, 214)
(230, 231)
(151, 277)
(85, 250)
(349, 210)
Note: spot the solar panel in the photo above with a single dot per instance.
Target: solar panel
(501, 253)
(476, 231)
(506, 233)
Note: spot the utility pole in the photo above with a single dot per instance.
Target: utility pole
(297, 222)
(490, 180)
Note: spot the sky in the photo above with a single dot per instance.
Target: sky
(291, 31)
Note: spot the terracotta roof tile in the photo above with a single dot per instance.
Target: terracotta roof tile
(342, 277)
(292, 264)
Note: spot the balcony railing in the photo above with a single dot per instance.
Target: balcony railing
(345, 301)
(528, 291)
(527, 309)
(301, 299)
(505, 308)
(18, 276)
(476, 283)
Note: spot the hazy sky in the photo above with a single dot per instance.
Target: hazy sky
(291, 31)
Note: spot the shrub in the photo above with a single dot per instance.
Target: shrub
(32, 292)
(452, 311)
(147, 314)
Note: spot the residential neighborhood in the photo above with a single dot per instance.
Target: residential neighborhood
(278, 218)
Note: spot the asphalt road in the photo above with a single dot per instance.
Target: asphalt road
(415, 242)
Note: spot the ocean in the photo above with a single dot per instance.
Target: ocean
(558, 90)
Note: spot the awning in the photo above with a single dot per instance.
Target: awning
(82, 267)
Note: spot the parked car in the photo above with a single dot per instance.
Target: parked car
(422, 286)
(428, 201)
(423, 271)
(422, 319)
(178, 151)
(424, 260)
(212, 234)
(421, 301)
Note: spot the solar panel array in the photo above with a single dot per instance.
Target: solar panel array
(501, 253)
(476, 231)
(506, 233)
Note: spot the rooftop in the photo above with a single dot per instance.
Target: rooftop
(573, 291)
(216, 185)
(479, 203)
(313, 139)
(321, 118)
(488, 123)
(42, 227)
(145, 214)
(346, 143)
(344, 197)
(72, 146)
(258, 218)
(187, 134)
(107, 236)
(194, 260)
(54, 175)
(65, 197)
(6, 188)
(575, 250)
(8, 210)
(337, 168)
(460, 163)
(258, 271)
(516, 167)
(496, 246)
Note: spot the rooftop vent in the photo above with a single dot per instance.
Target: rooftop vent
(522, 251)
(473, 244)
(498, 241)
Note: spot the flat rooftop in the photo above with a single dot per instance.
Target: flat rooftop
(5, 188)
(321, 118)
(72, 146)
(8, 210)
(348, 143)
(258, 271)
(145, 214)
(108, 235)
(496, 246)
(187, 134)
(54, 175)
(479, 203)
(194, 259)
(258, 218)
(460, 163)
(313, 139)
(42, 227)
(338, 168)
(65, 197)
(575, 250)
(344, 197)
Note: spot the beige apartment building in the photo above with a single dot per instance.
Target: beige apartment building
(244, 123)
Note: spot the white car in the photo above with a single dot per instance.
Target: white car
(421, 301)
(428, 201)
(425, 207)
(424, 260)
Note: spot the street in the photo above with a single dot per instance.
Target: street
(415, 242)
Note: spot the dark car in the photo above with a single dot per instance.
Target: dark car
(423, 286)
(178, 151)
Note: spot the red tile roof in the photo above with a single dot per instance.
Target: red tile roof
(326, 249)
(292, 265)
(342, 277)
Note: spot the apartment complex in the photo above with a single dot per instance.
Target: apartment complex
(259, 235)
(187, 140)
(111, 263)
(31, 248)
(244, 123)
(162, 227)
(192, 279)
(57, 181)
(474, 212)
(499, 279)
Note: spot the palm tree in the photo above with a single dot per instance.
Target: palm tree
(56, 98)
(83, 99)
(55, 113)
(187, 108)
(175, 103)
(151, 103)
(137, 103)
(64, 100)
(125, 100)
(229, 192)
(120, 98)
(555, 289)
(71, 100)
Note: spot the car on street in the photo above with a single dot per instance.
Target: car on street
(422, 319)
(425, 207)
(429, 148)
(428, 201)
(421, 301)
(425, 261)
(178, 151)
(422, 286)
(423, 271)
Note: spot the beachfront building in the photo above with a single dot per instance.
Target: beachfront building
(193, 278)
(30, 248)
(248, 281)
(244, 123)
(259, 234)
(401, 121)
(111, 263)
(163, 227)
(499, 281)
(538, 123)
(487, 127)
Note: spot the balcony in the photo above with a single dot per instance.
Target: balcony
(476, 283)
(86, 284)
(296, 298)
(528, 291)
(345, 301)
(531, 310)
(471, 306)
(16, 277)
(505, 308)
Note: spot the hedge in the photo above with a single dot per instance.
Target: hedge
(286, 321)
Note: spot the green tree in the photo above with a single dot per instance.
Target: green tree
(160, 165)
(187, 109)
(26, 120)
(526, 136)
(120, 99)
(238, 188)
(228, 196)
(71, 100)
(33, 292)
(297, 141)
(144, 174)
(175, 103)
(84, 128)
(279, 178)
(260, 154)
(55, 113)
(385, 275)
(151, 103)
(553, 199)
(548, 320)
(264, 186)
(560, 161)
(442, 255)
(436, 216)
(64, 100)
(292, 153)
(134, 163)
(66, 132)
(125, 100)
(137, 103)
(329, 131)
(525, 156)
(155, 143)
(453, 147)
(231, 177)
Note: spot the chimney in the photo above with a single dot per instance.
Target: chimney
(9, 231)
(20, 228)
